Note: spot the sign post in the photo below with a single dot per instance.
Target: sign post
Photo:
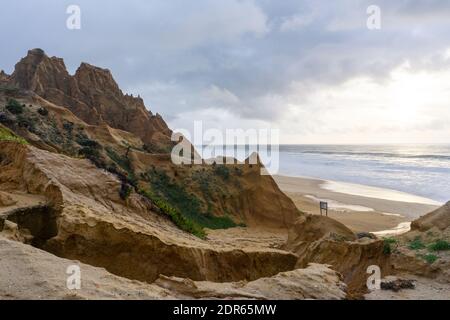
(324, 207)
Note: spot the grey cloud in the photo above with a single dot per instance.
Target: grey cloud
(173, 52)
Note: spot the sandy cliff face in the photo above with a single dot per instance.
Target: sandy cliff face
(45, 278)
(88, 115)
(96, 226)
(98, 158)
(417, 245)
(439, 219)
(4, 78)
(91, 94)
(323, 240)
(85, 219)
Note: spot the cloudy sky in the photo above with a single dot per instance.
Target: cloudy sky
(309, 68)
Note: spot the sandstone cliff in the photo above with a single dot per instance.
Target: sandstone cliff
(320, 239)
(439, 219)
(87, 115)
(84, 218)
(92, 95)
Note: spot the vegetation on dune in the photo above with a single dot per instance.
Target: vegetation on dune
(43, 111)
(9, 90)
(8, 135)
(436, 246)
(84, 141)
(125, 191)
(439, 245)
(222, 171)
(187, 203)
(429, 258)
(14, 106)
(6, 119)
(389, 245)
(416, 244)
(189, 212)
(175, 215)
(124, 163)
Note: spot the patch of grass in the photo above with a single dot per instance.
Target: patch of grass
(429, 258)
(125, 164)
(125, 191)
(188, 204)
(14, 106)
(43, 111)
(175, 215)
(8, 135)
(68, 126)
(389, 245)
(89, 152)
(416, 244)
(9, 90)
(84, 141)
(25, 122)
(6, 119)
(390, 240)
(222, 171)
(439, 245)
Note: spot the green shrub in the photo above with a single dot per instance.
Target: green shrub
(125, 191)
(43, 111)
(125, 164)
(84, 141)
(440, 245)
(186, 203)
(14, 106)
(9, 90)
(390, 240)
(68, 126)
(90, 153)
(24, 122)
(429, 258)
(180, 221)
(6, 120)
(416, 244)
(222, 171)
(388, 244)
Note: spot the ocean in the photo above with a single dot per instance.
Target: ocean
(421, 170)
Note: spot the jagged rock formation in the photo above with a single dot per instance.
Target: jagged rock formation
(426, 231)
(46, 278)
(439, 219)
(323, 240)
(314, 282)
(91, 94)
(85, 219)
(94, 225)
(88, 115)
(4, 78)
(96, 155)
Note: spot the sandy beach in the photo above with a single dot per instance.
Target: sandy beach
(377, 212)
